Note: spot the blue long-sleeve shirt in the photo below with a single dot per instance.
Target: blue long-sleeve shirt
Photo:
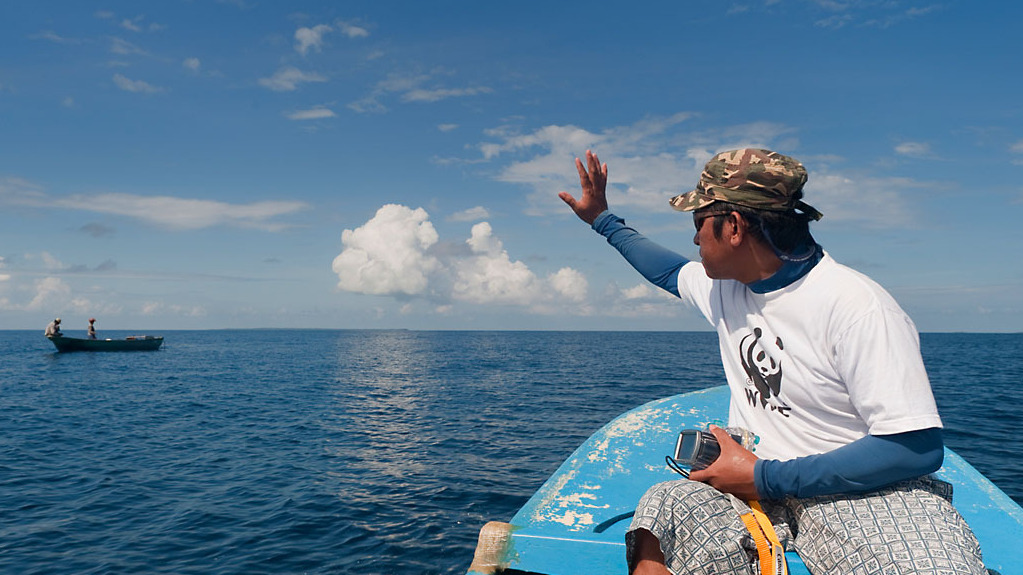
(866, 464)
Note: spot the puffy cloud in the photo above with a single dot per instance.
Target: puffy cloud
(388, 255)
(310, 38)
(489, 275)
(287, 79)
(570, 284)
(192, 64)
(398, 252)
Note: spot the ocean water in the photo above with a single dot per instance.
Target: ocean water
(371, 452)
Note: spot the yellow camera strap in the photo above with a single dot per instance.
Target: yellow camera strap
(769, 549)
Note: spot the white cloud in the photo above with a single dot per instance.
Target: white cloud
(161, 308)
(54, 37)
(398, 252)
(471, 214)
(652, 160)
(192, 64)
(137, 86)
(169, 212)
(388, 255)
(914, 149)
(124, 47)
(447, 127)
(317, 113)
(412, 88)
(287, 79)
(352, 30)
(877, 202)
(129, 24)
(1017, 149)
(183, 213)
(50, 293)
(570, 284)
(68, 102)
(310, 38)
(438, 94)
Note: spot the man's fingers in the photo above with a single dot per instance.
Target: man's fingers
(568, 199)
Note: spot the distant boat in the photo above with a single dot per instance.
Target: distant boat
(131, 343)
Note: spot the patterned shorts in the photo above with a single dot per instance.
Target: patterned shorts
(909, 527)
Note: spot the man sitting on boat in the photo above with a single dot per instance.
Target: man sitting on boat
(822, 364)
(53, 328)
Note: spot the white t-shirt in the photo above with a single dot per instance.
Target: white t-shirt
(818, 364)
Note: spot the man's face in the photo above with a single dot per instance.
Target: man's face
(715, 252)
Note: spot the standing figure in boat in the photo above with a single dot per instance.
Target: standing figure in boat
(53, 328)
(822, 364)
(92, 328)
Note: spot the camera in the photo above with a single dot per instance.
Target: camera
(698, 449)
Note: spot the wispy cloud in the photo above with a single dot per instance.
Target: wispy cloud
(470, 215)
(654, 159)
(137, 86)
(123, 47)
(413, 88)
(168, 212)
(287, 79)
(184, 214)
(192, 64)
(868, 13)
(1017, 151)
(352, 30)
(317, 113)
(52, 36)
(913, 149)
(435, 95)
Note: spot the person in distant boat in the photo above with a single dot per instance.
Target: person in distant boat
(53, 328)
(92, 328)
(823, 365)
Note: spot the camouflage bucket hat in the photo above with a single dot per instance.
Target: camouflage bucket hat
(758, 179)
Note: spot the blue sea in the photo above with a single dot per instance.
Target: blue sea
(371, 452)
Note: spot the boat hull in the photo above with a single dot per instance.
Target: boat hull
(576, 522)
(134, 343)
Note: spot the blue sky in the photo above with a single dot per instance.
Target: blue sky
(202, 164)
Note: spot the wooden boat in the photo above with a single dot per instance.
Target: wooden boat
(131, 343)
(576, 522)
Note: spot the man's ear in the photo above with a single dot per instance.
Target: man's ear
(736, 227)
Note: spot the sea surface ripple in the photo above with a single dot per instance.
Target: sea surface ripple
(373, 452)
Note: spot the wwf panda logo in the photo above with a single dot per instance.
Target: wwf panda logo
(763, 371)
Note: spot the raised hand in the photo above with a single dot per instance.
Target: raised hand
(593, 180)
